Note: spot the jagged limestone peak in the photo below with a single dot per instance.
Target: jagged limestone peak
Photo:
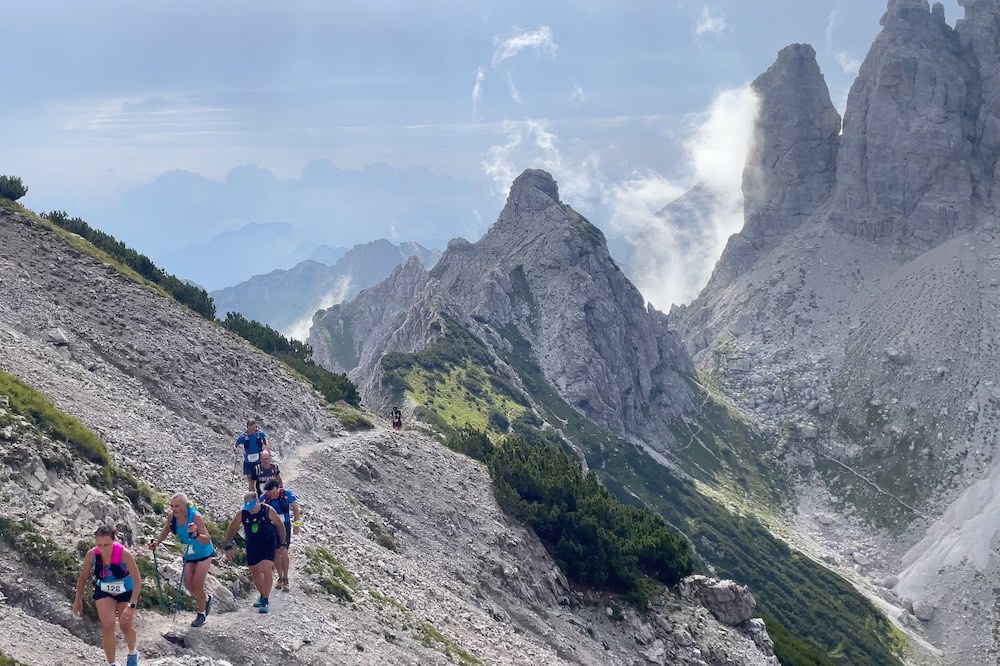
(538, 179)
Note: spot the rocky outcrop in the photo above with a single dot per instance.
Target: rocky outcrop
(730, 602)
(342, 335)
(903, 171)
(544, 270)
(791, 168)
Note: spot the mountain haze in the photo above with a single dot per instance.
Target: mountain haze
(287, 299)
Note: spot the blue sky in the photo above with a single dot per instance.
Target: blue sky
(107, 96)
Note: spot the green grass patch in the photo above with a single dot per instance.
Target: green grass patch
(895, 463)
(454, 382)
(4, 659)
(350, 417)
(149, 597)
(55, 423)
(81, 441)
(330, 573)
(430, 637)
(40, 551)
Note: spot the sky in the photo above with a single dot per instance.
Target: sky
(171, 123)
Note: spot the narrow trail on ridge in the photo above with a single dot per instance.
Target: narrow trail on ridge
(308, 466)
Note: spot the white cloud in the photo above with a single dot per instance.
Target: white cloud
(477, 88)
(338, 294)
(577, 94)
(832, 22)
(710, 23)
(849, 64)
(512, 89)
(673, 256)
(540, 40)
(530, 144)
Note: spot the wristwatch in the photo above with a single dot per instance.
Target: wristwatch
(131, 605)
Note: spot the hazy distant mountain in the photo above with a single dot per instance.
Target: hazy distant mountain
(287, 299)
(179, 210)
(325, 254)
(234, 256)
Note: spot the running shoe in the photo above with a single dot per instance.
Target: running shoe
(208, 605)
(132, 660)
(263, 606)
(198, 621)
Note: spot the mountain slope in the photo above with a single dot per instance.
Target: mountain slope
(437, 573)
(533, 327)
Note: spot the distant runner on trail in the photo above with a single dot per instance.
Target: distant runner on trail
(117, 586)
(258, 521)
(189, 527)
(264, 472)
(397, 419)
(285, 504)
(254, 442)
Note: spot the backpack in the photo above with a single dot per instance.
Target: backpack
(280, 504)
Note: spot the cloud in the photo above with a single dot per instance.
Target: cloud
(709, 23)
(849, 64)
(299, 330)
(540, 40)
(477, 88)
(832, 22)
(512, 89)
(674, 250)
(531, 144)
(577, 94)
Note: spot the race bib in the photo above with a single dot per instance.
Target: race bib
(113, 587)
(253, 457)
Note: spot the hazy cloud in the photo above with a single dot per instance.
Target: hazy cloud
(512, 89)
(674, 251)
(848, 63)
(577, 94)
(540, 40)
(477, 88)
(710, 23)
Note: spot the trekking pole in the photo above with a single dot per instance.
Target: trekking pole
(180, 583)
(159, 587)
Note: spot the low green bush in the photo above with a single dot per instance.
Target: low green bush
(11, 188)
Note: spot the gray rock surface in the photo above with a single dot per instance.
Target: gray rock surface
(545, 271)
(730, 602)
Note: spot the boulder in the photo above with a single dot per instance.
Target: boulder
(730, 602)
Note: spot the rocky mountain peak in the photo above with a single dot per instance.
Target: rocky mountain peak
(903, 169)
(534, 179)
(791, 168)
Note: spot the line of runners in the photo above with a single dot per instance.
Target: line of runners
(269, 516)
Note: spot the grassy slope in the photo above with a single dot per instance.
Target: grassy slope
(813, 603)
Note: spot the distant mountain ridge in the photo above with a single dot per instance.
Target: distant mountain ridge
(287, 299)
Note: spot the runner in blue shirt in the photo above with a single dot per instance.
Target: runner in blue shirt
(286, 505)
(254, 442)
